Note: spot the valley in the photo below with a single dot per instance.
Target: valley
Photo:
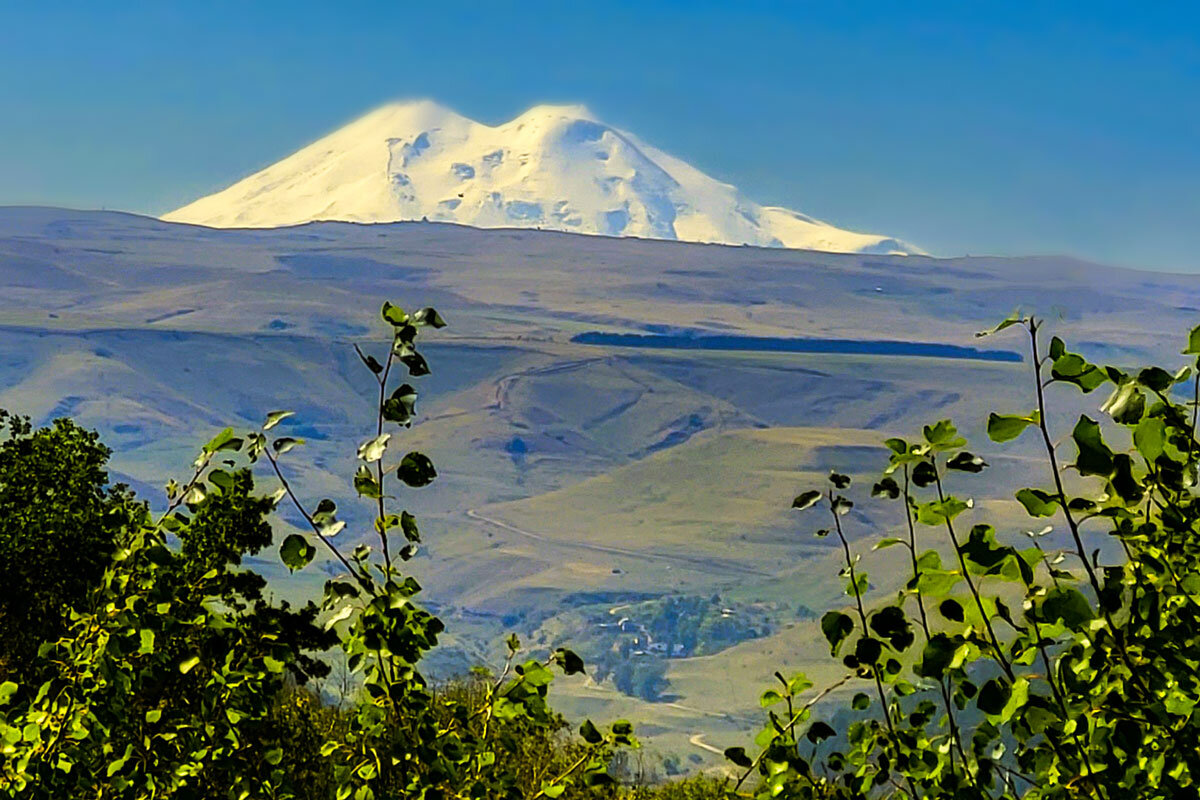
(585, 462)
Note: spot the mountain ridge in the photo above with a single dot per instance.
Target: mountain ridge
(553, 167)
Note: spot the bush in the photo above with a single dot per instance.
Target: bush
(59, 522)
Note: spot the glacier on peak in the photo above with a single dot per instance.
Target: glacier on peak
(555, 167)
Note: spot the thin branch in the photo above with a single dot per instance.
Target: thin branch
(987, 622)
(792, 724)
(287, 487)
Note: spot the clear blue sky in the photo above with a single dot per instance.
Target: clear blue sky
(965, 127)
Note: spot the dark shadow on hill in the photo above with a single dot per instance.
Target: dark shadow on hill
(872, 347)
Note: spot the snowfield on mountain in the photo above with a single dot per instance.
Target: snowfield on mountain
(553, 168)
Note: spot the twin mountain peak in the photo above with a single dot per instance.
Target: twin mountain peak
(554, 167)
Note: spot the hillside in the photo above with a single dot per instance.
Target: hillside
(572, 475)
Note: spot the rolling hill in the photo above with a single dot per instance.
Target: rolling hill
(576, 475)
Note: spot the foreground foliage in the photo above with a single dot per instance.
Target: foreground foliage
(1062, 664)
(1009, 669)
(168, 677)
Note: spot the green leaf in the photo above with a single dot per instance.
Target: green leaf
(1073, 368)
(1095, 458)
(325, 510)
(428, 316)
(924, 474)
(225, 440)
(1156, 379)
(393, 315)
(1126, 404)
(401, 406)
(569, 660)
(819, 731)
(1038, 503)
(344, 613)
(886, 487)
(408, 524)
(373, 449)
(416, 363)
(590, 733)
(1149, 437)
(993, 696)
(860, 702)
(7, 690)
(966, 462)
(806, 499)
(275, 417)
(942, 435)
(952, 610)
(938, 655)
(836, 626)
(887, 542)
(195, 494)
(890, 623)
(118, 764)
(535, 674)
(189, 664)
(296, 552)
(284, 444)
(1069, 605)
(1015, 318)
(365, 483)
(799, 683)
(221, 479)
(738, 756)
(331, 528)
(937, 512)
(937, 582)
(1018, 695)
(769, 698)
(1193, 345)
(416, 470)
(1006, 427)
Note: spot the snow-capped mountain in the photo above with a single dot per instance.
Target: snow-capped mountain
(553, 167)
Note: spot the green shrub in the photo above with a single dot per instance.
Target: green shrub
(59, 522)
(1010, 670)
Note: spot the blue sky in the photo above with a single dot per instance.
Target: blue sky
(1005, 128)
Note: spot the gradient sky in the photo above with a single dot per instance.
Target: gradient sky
(964, 127)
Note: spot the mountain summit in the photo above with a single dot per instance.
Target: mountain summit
(553, 167)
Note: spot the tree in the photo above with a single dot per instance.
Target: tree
(59, 521)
